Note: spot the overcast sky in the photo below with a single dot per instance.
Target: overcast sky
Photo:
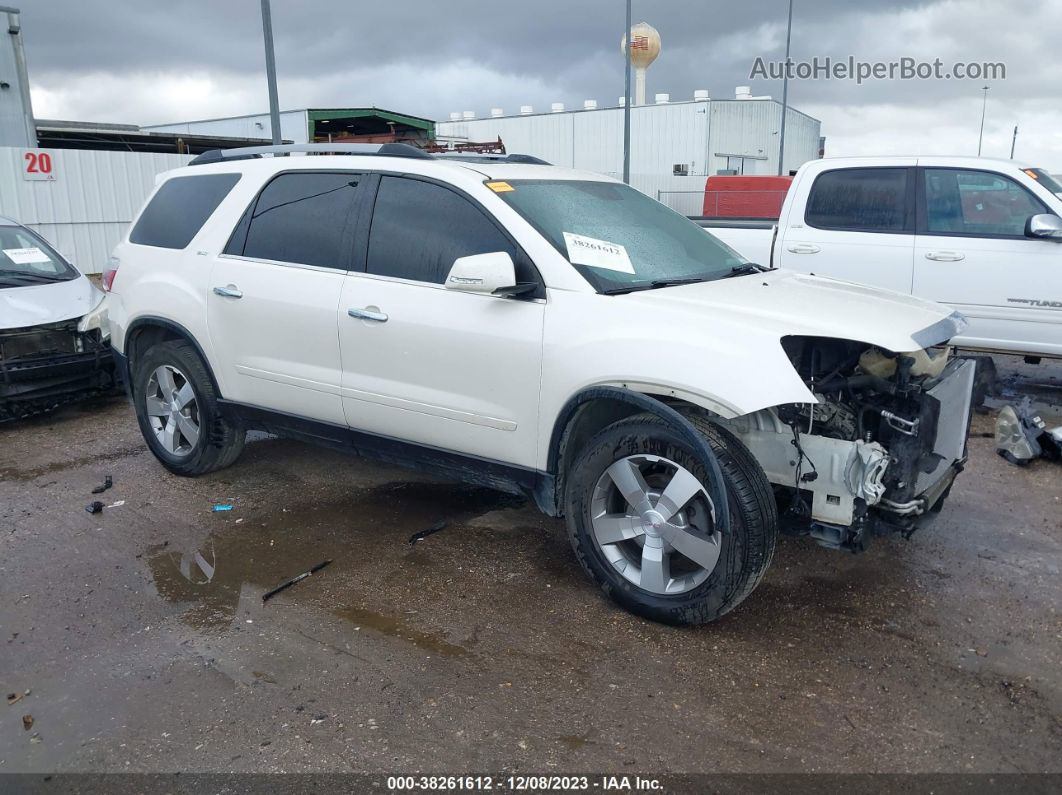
(151, 62)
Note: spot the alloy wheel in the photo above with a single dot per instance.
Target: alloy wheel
(172, 410)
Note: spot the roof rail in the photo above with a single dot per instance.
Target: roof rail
(481, 157)
(250, 152)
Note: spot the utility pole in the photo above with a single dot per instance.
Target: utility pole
(785, 91)
(1013, 141)
(627, 99)
(984, 107)
(271, 71)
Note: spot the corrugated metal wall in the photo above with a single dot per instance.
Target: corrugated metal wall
(294, 127)
(699, 134)
(86, 209)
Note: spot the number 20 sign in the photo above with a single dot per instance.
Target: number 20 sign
(37, 165)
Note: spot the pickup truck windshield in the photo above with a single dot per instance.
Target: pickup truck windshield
(618, 238)
(1046, 180)
(26, 259)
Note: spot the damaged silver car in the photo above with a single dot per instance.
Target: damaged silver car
(54, 345)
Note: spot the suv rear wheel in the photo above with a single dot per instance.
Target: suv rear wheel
(178, 412)
(643, 525)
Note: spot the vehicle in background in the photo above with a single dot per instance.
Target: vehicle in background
(547, 332)
(982, 235)
(54, 345)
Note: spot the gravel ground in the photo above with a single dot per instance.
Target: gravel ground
(140, 642)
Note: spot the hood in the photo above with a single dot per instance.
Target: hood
(38, 304)
(789, 303)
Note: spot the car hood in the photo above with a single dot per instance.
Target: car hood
(790, 303)
(38, 304)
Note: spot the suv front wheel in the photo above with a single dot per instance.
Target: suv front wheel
(643, 524)
(178, 412)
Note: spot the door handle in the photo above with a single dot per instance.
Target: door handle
(368, 314)
(229, 291)
(945, 256)
(804, 248)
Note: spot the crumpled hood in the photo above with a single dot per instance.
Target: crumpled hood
(790, 303)
(38, 304)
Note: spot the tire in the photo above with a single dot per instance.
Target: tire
(218, 440)
(743, 554)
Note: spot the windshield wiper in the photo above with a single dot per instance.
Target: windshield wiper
(745, 268)
(22, 279)
(677, 281)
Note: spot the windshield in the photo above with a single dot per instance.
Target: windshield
(26, 259)
(618, 238)
(1045, 179)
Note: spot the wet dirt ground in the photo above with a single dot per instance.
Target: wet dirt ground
(137, 638)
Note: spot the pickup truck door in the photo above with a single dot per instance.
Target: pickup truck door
(857, 225)
(971, 252)
(437, 367)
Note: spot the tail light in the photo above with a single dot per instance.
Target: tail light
(109, 273)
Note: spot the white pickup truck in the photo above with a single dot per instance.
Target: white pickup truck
(982, 235)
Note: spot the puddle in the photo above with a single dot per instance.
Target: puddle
(393, 626)
(263, 551)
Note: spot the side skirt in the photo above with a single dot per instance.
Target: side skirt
(477, 471)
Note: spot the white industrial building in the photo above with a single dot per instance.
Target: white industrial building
(671, 141)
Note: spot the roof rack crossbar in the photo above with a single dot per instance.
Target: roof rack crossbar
(248, 152)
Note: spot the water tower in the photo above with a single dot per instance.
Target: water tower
(645, 46)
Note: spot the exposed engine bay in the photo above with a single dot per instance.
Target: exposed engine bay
(879, 450)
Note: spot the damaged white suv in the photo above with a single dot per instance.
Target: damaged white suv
(542, 331)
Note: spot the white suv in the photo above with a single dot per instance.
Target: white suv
(542, 331)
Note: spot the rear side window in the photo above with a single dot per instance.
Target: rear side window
(859, 200)
(419, 229)
(179, 209)
(300, 217)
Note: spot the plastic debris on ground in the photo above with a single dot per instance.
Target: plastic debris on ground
(221, 508)
(435, 528)
(1022, 436)
(288, 583)
(108, 481)
(94, 507)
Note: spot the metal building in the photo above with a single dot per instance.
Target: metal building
(670, 141)
(368, 125)
(16, 111)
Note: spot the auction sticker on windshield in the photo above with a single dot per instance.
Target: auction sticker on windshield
(26, 256)
(597, 253)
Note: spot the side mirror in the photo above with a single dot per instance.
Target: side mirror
(1045, 226)
(486, 274)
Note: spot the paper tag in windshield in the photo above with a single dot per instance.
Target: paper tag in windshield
(26, 256)
(597, 253)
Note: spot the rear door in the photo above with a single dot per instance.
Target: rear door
(274, 295)
(971, 252)
(433, 366)
(857, 225)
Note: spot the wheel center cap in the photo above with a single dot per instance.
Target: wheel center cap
(655, 520)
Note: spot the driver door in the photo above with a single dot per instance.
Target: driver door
(971, 252)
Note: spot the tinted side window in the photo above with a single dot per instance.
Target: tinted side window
(977, 203)
(859, 199)
(179, 209)
(419, 229)
(303, 218)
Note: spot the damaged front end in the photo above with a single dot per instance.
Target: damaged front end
(878, 451)
(44, 366)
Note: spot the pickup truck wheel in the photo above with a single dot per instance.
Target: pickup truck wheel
(178, 412)
(643, 526)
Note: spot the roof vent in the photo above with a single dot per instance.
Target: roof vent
(700, 94)
(589, 104)
(455, 116)
(556, 107)
(663, 99)
(468, 114)
(497, 112)
(743, 92)
(527, 109)
(622, 101)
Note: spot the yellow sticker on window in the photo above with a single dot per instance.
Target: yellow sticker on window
(500, 187)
